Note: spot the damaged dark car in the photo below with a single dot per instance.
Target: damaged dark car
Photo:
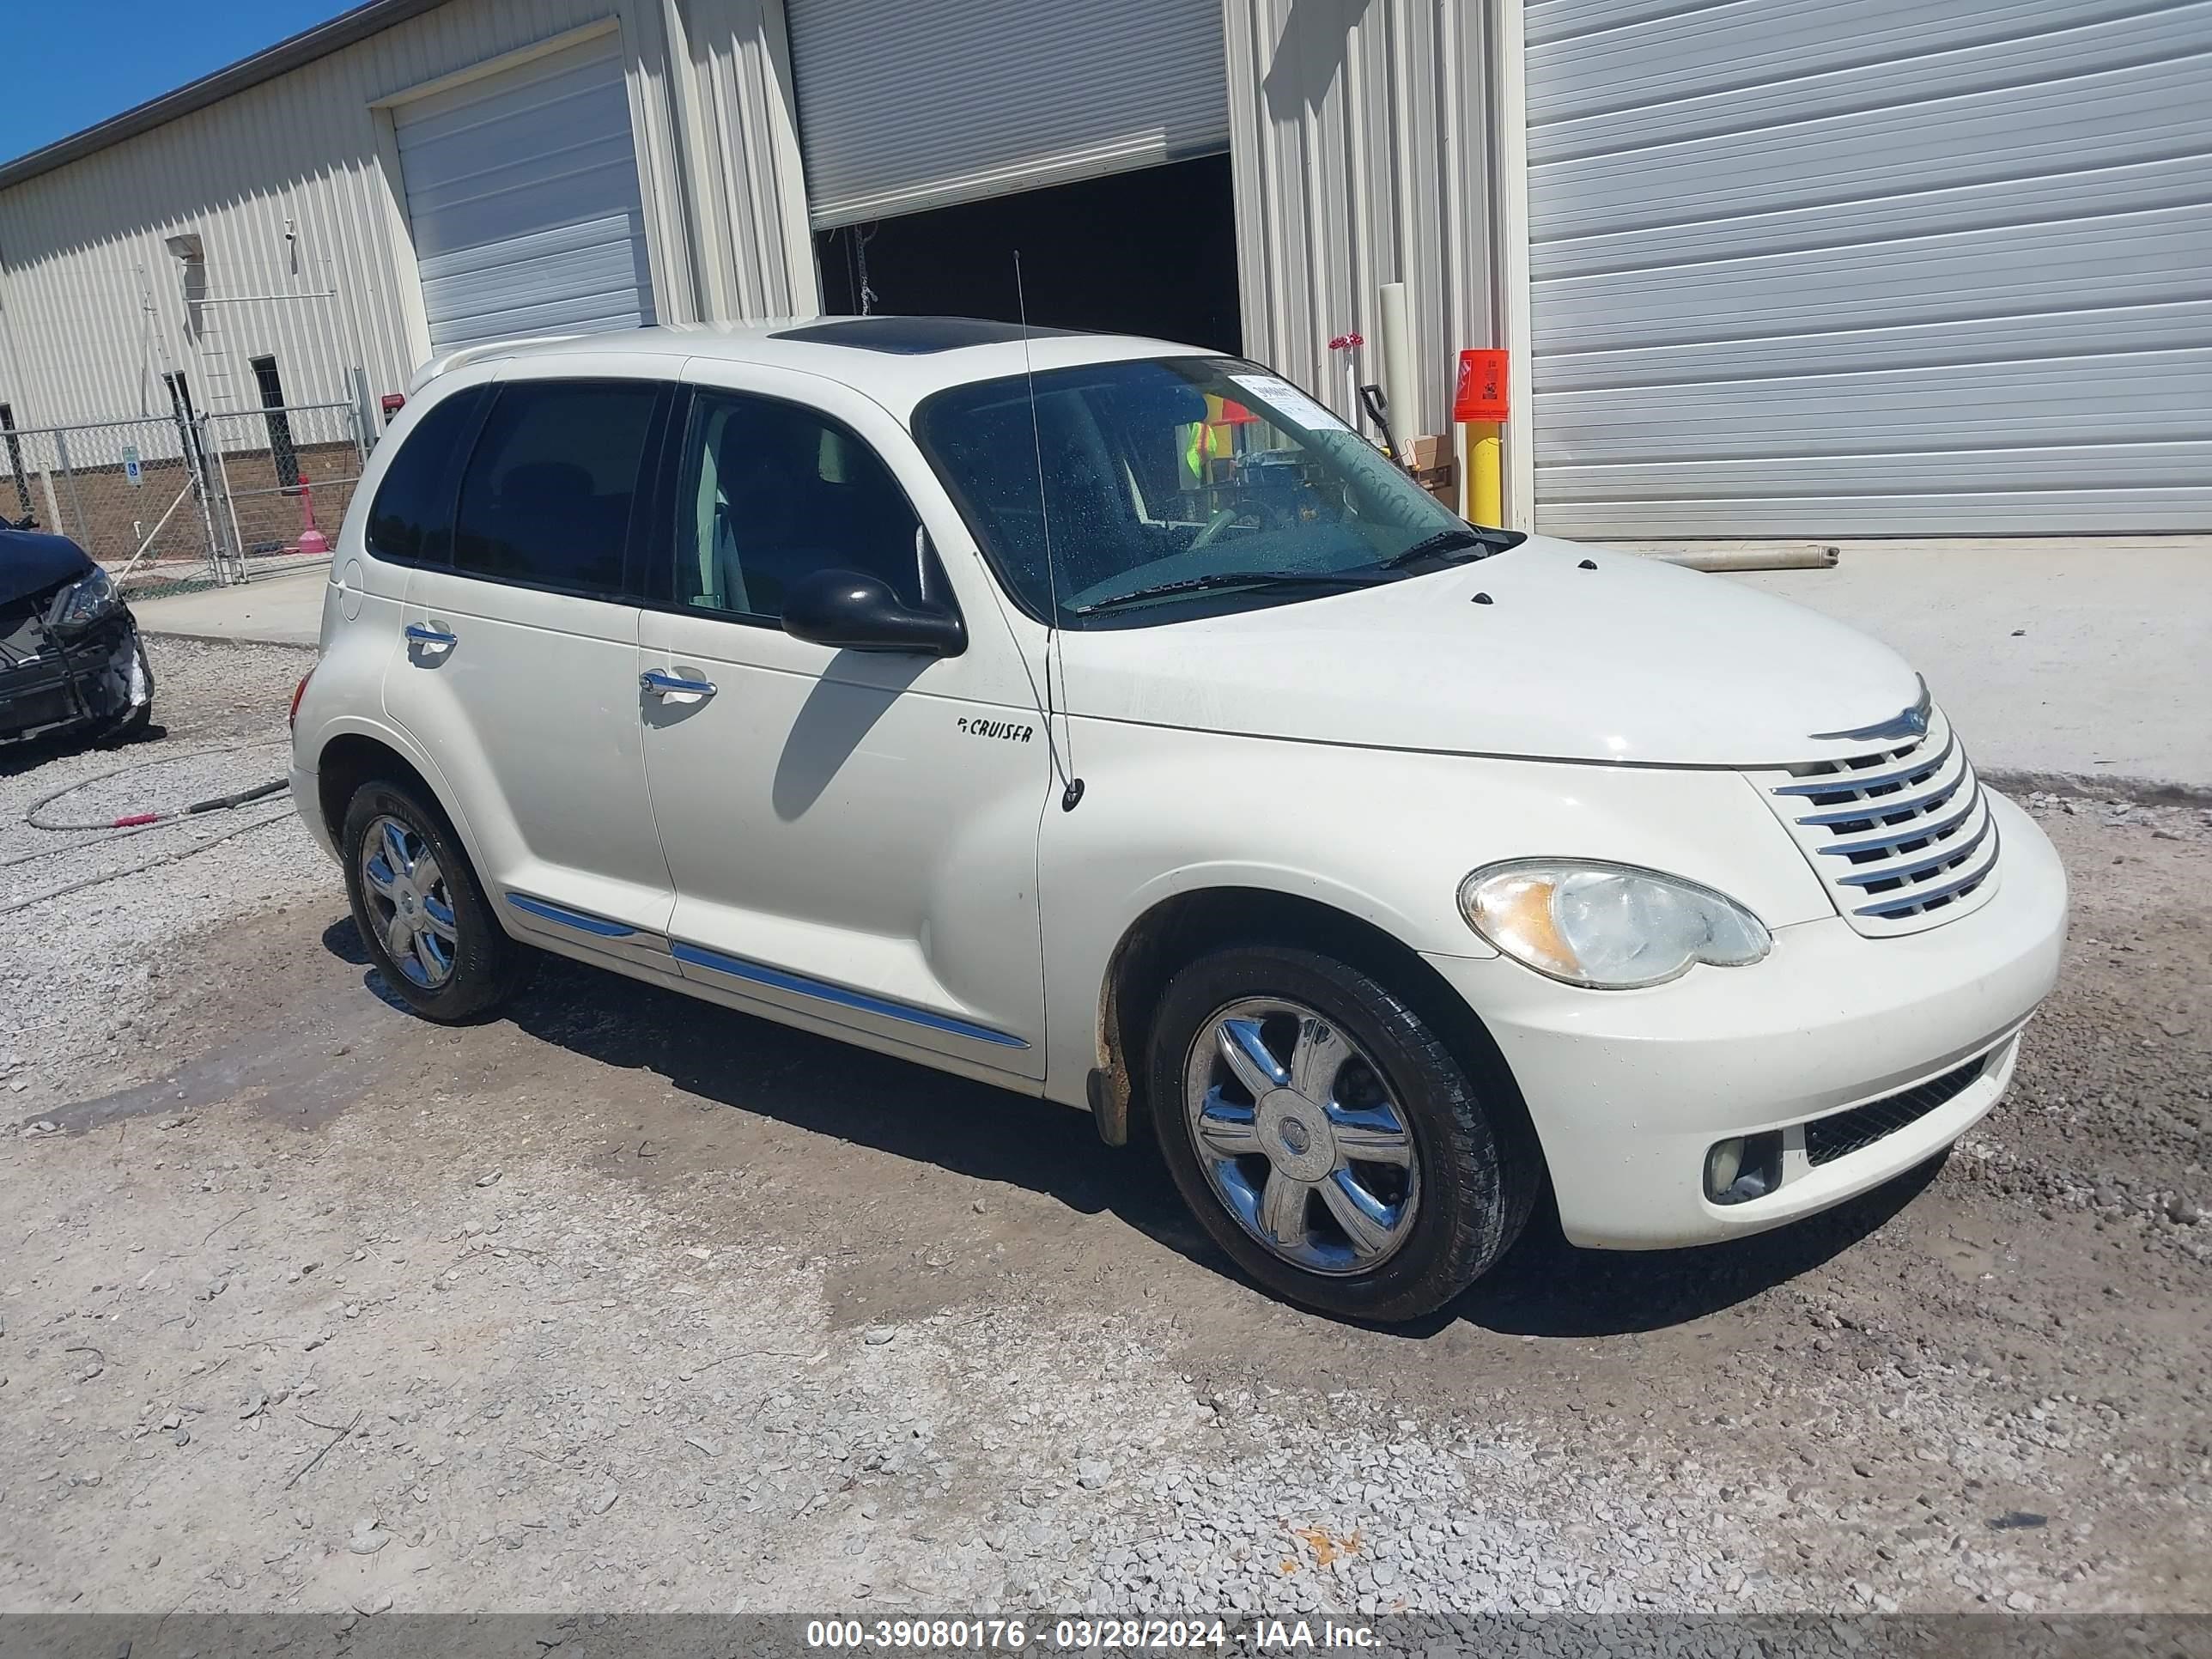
(71, 661)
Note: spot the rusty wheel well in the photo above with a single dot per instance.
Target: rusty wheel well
(1178, 930)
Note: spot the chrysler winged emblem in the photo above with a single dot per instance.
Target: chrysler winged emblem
(1909, 722)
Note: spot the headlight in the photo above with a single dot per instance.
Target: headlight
(87, 602)
(1607, 926)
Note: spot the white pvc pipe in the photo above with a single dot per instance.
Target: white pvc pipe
(132, 563)
(1796, 555)
(1398, 383)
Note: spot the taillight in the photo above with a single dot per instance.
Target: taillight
(292, 720)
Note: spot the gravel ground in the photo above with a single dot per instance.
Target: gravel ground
(625, 1303)
(80, 975)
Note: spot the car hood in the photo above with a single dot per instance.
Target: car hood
(30, 561)
(1529, 653)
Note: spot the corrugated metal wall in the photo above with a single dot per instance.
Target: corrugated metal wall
(1360, 154)
(718, 163)
(1358, 144)
(738, 141)
(1877, 269)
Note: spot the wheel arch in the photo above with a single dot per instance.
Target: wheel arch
(1185, 925)
(351, 759)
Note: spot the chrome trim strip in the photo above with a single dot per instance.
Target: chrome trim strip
(1893, 904)
(823, 990)
(1835, 782)
(1867, 875)
(1919, 831)
(568, 918)
(1889, 805)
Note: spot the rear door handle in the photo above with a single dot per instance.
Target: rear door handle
(675, 685)
(437, 638)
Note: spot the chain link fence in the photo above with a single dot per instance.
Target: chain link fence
(120, 489)
(164, 502)
(284, 479)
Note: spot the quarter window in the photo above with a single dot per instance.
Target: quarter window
(412, 520)
(546, 498)
(773, 493)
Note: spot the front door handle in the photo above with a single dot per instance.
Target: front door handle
(676, 686)
(436, 638)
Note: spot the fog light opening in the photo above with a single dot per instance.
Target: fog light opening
(1744, 1167)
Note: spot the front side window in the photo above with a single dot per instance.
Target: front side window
(771, 493)
(546, 500)
(1168, 488)
(411, 519)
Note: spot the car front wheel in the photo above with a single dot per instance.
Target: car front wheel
(1327, 1138)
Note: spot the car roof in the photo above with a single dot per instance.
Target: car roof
(896, 361)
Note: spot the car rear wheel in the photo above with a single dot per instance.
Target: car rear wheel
(1327, 1139)
(420, 909)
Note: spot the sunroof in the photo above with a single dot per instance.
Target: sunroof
(910, 336)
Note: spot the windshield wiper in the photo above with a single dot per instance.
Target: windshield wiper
(1444, 541)
(1366, 578)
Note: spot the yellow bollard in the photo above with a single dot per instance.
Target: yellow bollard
(1485, 473)
(1481, 406)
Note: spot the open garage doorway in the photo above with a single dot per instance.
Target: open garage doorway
(1148, 252)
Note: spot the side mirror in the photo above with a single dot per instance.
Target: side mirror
(850, 610)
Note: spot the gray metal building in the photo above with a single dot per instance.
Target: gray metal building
(1766, 267)
(1875, 268)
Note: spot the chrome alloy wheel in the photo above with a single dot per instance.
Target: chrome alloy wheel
(407, 897)
(1299, 1137)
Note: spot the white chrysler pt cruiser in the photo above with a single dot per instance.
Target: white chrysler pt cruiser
(1103, 718)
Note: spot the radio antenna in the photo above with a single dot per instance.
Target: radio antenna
(1072, 791)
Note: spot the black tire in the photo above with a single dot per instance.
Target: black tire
(486, 964)
(1480, 1174)
(132, 725)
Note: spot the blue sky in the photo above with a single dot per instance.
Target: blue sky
(71, 65)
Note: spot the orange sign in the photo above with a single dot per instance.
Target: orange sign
(1481, 395)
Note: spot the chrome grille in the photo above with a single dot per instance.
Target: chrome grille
(1901, 835)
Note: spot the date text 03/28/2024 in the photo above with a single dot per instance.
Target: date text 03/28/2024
(1083, 1635)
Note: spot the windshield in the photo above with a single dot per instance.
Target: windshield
(1176, 486)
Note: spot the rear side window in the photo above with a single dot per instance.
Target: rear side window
(412, 520)
(546, 498)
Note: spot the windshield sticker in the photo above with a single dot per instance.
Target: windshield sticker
(1288, 401)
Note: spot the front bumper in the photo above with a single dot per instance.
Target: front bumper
(98, 682)
(1629, 1090)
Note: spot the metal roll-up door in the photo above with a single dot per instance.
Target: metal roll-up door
(1802, 269)
(522, 197)
(913, 106)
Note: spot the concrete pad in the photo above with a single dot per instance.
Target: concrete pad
(286, 610)
(2063, 662)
